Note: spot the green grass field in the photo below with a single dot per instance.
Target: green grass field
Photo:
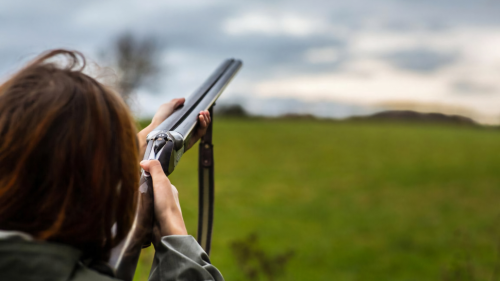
(353, 200)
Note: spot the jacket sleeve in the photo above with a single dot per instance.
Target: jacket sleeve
(180, 258)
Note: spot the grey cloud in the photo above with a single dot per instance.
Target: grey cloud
(422, 60)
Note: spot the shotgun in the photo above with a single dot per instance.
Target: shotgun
(167, 143)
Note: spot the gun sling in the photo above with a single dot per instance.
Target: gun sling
(206, 189)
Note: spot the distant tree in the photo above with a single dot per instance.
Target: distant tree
(135, 60)
(231, 110)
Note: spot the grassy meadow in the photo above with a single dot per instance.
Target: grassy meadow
(360, 200)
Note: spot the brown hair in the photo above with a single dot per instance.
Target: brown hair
(68, 156)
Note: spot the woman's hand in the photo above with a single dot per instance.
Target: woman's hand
(165, 111)
(204, 120)
(166, 203)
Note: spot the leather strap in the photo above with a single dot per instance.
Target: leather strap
(206, 188)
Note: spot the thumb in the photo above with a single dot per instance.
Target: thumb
(153, 167)
(178, 102)
(174, 104)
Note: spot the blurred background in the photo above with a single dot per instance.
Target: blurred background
(358, 142)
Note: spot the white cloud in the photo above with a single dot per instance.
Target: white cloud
(480, 44)
(281, 24)
(374, 81)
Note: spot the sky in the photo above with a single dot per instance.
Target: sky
(329, 58)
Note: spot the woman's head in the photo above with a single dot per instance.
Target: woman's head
(68, 156)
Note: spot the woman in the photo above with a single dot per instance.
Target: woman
(69, 173)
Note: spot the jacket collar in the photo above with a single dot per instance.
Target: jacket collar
(5, 234)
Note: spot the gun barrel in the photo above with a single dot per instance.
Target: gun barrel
(184, 119)
(185, 127)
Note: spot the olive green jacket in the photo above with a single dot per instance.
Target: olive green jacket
(178, 257)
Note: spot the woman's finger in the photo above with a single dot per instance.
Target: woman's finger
(153, 167)
(205, 117)
(203, 122)
(208, 116)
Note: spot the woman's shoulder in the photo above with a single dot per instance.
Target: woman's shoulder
(22, 259)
